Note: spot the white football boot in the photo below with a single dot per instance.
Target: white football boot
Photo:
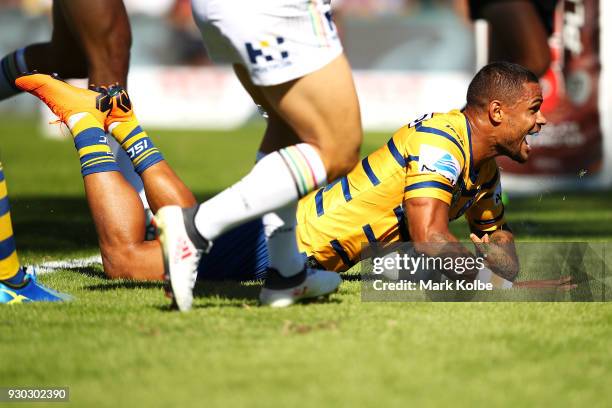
(182, 251)
(279, 291)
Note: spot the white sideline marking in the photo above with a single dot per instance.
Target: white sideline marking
(74, 263)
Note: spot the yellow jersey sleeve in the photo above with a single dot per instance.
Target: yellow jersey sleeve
(487, 213)
(437, 158)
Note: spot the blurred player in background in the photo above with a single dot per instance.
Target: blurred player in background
(289, 58)
(433, 170)
(559, 42)
(91, 39)
(518, 30)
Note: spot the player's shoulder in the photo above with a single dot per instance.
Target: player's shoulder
(438, 145)
(452, 124)
(441, 132)
(435, 120)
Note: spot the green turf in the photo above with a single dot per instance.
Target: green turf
(118, 345)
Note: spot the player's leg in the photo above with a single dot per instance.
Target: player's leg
(161, 184)
(517, 34)
(323, 111)
(280, 226)
(62, 55)
(89, 38)
(17, 284)
(116, 208)
(299, 85)
(103, 31)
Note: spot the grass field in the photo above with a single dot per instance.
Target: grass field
(118, 344)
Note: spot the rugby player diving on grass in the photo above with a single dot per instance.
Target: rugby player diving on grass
(432, 171)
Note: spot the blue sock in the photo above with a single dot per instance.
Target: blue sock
(11, 66)
(17, 279)
(90, 141)
(137, 144)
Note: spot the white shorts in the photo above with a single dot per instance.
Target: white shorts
(276, 40)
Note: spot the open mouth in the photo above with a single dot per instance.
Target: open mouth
(531, 134)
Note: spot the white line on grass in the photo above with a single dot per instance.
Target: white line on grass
(75, 263)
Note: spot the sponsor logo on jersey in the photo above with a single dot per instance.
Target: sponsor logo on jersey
(436, 160)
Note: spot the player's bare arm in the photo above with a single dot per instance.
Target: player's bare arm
(428, 224)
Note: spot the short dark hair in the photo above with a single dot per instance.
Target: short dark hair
(498, 80)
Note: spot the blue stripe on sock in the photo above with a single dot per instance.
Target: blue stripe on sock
(99, 168)
(95, 155)
(7, 247)
(105, 162)
(88, 137)
(137, 130)
(4, 206)
(10, 77)
(18, 278)
(148, 162)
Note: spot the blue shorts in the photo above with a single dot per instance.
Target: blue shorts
(239, 254)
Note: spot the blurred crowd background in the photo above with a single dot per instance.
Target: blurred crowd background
(420, 36)
(377, 34)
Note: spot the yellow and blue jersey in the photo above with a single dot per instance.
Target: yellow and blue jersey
(430, 157)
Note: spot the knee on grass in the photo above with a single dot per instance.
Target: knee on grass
(117, 261)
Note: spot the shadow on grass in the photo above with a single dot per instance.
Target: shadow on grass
(56, 224)
(230, 290)
(89, 271)
(125, 284)
(245, 292)
(52, 224)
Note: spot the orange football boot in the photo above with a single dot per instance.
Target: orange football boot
(64, 99)
(121, 110)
